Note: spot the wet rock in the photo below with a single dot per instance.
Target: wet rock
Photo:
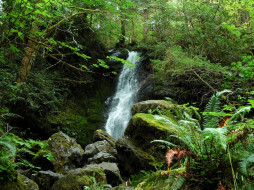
(102, 157)
(111, 170)
(132, 159)
(45, 179)
(101, 135)
(66, 152)
(144, 128)
(78, 178)
(21, 183)
(100, 146)
(144, 106)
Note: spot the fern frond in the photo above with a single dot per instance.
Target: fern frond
(175, 181)
(211, 121)
(244, 164)
(240, 112)
(169, 156)
(10, 146)
(164, 142)
(219, 134)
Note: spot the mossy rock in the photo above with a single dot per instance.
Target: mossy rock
(132, 159)
(144, 128)
(100, 135)
(21, 183)
(152, 105)
(79, 178)
(66, 151)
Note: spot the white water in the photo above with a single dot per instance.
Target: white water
(120, 108)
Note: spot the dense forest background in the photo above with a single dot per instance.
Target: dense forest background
(56, 72)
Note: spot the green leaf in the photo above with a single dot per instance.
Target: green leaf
(14, 49)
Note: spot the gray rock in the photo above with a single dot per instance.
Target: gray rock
(102, 157)
(45, 179)
(21, 183)
(78, 178)
(132, 159)
(100, 135)
(143, 107)
(100, 146)
(66, 152)
(111, 170)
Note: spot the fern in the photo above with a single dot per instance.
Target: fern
(175, 181)
(245, 163)
(219, 134)
(211, 121)
(241, 112)
(10, 146)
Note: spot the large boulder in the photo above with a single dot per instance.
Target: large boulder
(132, 159)
(102, 157)
(21, 183)
(66, 152)
(78, 178)
(100, 135)
(100, 146)
(45, 179)
(144, 128)
(111, 170)
(145, 106)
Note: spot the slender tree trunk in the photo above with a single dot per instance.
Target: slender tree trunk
(145, 28)
(28, 59)
(122, 38)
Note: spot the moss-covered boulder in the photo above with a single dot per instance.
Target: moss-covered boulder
(132, 159)
(144, 128)
(100, 135)
(21, 183)
(45, 179)
(111, 171)
(66, 152)
(145, 106)
(78, 178)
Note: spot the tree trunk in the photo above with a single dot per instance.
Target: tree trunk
(28, 59)
(122, 38)
(145, 29)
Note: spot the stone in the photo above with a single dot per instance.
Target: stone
(78, 178)
(100, 146)
(102, 157)
(111, 170)
(21, 183)
(132, 159)
(100, 135)
(66, 152)
(144, 106)
(45, 179)
(144, 128)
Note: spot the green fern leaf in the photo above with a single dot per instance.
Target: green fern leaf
(219, 134)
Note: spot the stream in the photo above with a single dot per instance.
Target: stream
(120, 108)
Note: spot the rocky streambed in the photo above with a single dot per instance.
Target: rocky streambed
(105, 162)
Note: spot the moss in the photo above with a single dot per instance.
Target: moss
(21, 183)
(154, 121)
(79, 178)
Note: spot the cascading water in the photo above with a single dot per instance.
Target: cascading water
(120, 108)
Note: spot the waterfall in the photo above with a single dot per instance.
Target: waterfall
(123, 99)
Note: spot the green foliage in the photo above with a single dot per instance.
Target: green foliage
(213, 105)
(240, 72)
(208, 147)
(158, 180)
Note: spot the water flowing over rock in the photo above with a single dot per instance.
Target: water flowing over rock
(120, 109)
